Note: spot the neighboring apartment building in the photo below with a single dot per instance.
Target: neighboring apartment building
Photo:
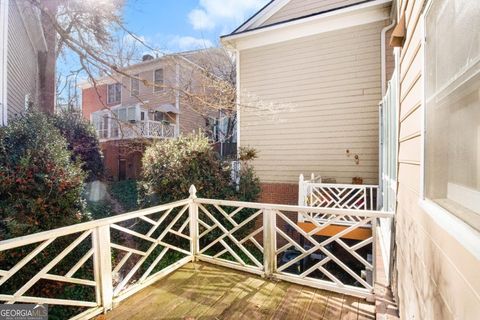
(310, 77)
(323, 66)
(127, 111)
(24, 51)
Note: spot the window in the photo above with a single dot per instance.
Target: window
(122, 115)
(388, 140)
(114, 93)
(158, 80)
(159, 116)
(452, 86)
(100, 122)
(134, 86)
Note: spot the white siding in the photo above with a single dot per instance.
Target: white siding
(313, 98)
(300, 8)
(22, 67)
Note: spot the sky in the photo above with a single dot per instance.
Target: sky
(180, 25)
(174, 26)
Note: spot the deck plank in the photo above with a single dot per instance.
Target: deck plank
(334, 306)
(318, 306)
(204, 291)
(349, 308)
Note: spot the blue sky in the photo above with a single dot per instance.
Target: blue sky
(176, 25)
(179, 25)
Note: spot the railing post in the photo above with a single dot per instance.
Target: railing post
(102, 262)
(374, 253)
(301, 195)
(301, 191)
(193, 215)
(269, 242)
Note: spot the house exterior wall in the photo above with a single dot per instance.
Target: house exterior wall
(436, 273)
(317, 97)
(93, 99)
(300, 8)
(22, 63)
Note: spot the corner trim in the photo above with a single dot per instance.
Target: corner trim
(3, 62)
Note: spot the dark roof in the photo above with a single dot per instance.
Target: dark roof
(289, 20)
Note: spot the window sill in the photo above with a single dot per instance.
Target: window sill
(458, 229)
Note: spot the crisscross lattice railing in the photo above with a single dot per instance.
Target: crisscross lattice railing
(107, 260)
(336, 196)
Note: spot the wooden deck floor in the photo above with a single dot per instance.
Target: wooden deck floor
(205, 291)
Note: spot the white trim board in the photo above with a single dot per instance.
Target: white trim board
(456, 228)
(3, 61)
(467, 197)
(335, 20)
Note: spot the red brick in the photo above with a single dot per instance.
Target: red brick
(279, 193)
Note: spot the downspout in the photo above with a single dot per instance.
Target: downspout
(383, 57)
(380, 111)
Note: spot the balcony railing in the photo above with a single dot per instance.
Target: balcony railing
(339, 196)
(139, 129)
(118, 256)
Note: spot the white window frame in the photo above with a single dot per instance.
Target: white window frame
(449, 222)
(108, 93)
(155, 88)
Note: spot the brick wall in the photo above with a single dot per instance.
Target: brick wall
(93, 100)
(279, 193)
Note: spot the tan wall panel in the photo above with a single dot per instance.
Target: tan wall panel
(299, 8)
(311, 99)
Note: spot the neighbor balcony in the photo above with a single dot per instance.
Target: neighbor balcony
(141, 129)
(133, 122)
(201, 258)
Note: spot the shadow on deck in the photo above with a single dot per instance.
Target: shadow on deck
(205, 291)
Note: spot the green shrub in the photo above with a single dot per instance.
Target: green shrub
(171, 166)
(100, 209)
(126, 193)
(82, 142)
(40, 187)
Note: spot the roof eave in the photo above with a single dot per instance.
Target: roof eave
(229, 40)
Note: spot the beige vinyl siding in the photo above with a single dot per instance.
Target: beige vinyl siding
(22, 63)
(300, 8)
(308, 100)
(437, 278)
(190, 120)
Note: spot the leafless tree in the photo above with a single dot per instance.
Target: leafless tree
(94, 31)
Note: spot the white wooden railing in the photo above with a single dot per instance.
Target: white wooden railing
(130, 251)
(145, 129)
(314, 193)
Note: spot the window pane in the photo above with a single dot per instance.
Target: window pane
(114, 93)
(122, 114)
(158, 76)
(131, 114)
(134, 86)
(453, 107)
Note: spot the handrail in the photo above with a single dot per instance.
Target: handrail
(252, 237)
(63, 231)
(292, 208)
